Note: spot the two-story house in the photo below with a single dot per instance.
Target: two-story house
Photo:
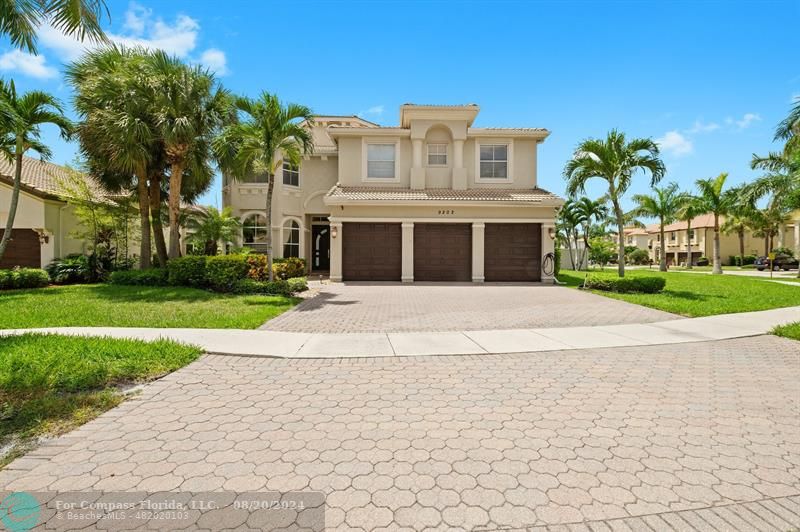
(433, 199)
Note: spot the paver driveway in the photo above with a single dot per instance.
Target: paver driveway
(393, 307)
(473, 441)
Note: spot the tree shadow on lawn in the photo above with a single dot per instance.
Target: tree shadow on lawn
(692, 296)
(155, 294)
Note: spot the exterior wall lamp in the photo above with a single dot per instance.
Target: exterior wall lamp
(551, 232)
(334, 231)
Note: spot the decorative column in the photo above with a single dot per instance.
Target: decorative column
(417, 171)
(336, 252)
(548, 246)
(407, 252)
(459, 172)
(477, 252)
(797, 237)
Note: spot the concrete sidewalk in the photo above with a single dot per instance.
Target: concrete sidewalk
(329, 345)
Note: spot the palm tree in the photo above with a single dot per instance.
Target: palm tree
(116, 132)
(268, 133)
(713, 199)
(664, 206)
(589, 211)
(80, 18)
(25, 114)
(210, 226)
(616, 161)
(690, 208)
(188, 109)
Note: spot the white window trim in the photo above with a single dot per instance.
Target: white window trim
(299, 180)
(509, 164)
(428, 154)
(245, 216)
(366, 141)
(301, 237)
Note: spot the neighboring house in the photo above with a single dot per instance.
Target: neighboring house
(433, 199)
(637, 236)
(43, 222)
(702, 242)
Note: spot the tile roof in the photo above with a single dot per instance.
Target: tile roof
(41, 178)
(532, 195)
(704, 220)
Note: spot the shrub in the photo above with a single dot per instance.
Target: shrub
(638, 256)
(289, 267)
(72, 269)
(267, 288)
(23, 278)
(257, 267)
(623, 285)
(297, 284)
(187, 271)
(223, 271)
(783, 251)
(703, 261)
(148, 277)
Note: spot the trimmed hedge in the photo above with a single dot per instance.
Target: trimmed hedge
(297, 284)
(624, 285)
(187, 271)
(275, 288)
(224, 271)
(148, 277)
(23, 278)
(289, 267)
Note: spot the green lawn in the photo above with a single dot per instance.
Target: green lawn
(788, 331)
(136, 306)
(50, 384)
(701, 295)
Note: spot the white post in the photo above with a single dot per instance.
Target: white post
(336, 252)
(407, 252)
(477, 252)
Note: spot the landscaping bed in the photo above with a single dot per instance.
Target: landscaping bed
(136, 306)
(698, 295)
(49, 384)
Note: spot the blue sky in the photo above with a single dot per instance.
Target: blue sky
(708, 80)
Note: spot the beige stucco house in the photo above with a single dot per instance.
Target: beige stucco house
(432, 199)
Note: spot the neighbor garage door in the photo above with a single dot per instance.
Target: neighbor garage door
(442, 252)
(512, 252)
(371, 252)
(23, 249)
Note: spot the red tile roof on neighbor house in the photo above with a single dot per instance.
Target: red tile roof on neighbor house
(704, 220)
(38, 177)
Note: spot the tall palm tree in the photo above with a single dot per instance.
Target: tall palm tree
(210, 227)
(19, 20)
(25, 114)
(615, 161)
(714, 199)
(116, 132)
(663, 205)
(690, 208)
(269, 132)
(188, 109)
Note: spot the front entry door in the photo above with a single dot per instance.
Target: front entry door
(321, 244)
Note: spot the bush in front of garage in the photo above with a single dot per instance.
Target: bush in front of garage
(626, 285)
(23, 278)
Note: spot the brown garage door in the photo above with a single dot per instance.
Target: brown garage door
(23, 249)
(442, 252)
(371, 252)
(512, 252)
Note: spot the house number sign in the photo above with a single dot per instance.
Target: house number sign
(445, 212)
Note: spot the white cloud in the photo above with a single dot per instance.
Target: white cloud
(746, 121)
(31, 65)
(375, 110)
(703, 127)
(136, 17)
(214, 60)
(675, 144)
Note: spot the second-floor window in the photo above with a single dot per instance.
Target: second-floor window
(673, 236)
(691, 235)
(291, 174)
(437, 154)
(494, 161)
(380, 161)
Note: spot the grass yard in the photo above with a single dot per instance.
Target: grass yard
(701, 295)
(49, 384)
(791, 330)
(136, 306)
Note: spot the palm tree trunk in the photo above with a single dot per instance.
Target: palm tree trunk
(621, 248)
(145, 250)
(662, 262)
(155, 215)
(175, 180)
(268, 212)
(12, 209)
(689, 244)
(717, 270)
(741, 247)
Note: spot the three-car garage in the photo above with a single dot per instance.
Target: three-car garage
(442, 252)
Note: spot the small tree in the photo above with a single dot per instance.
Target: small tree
(209, 227)
(663, 205)
(601, 251)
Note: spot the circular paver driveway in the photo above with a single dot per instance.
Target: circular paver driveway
(475, 441)
(394, 307)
